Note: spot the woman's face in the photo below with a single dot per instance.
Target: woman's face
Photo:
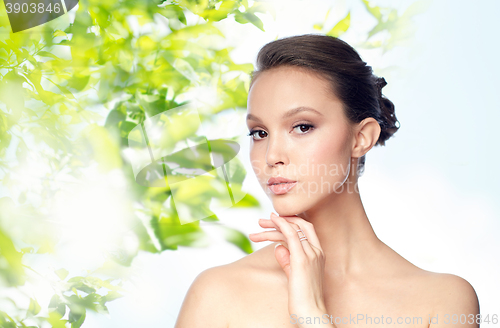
(300, 133)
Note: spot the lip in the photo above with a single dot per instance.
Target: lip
(275, 180)
(280, 185)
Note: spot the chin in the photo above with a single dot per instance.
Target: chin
(293, 204)
(296, 201)
(289, 206)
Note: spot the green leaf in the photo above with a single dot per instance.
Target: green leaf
(114, 117)
(185, 68)
(7, 324)
(237, 238)
(59, 33)
(65, 91)
(77, 317)
(5, 136)
(318, 27)
(55, 319)
(111, 296)
(195, 6)
(248, 201)
(50, 98)
(62, 273)
(12, 92)
(212, 218)
(29, 57)
(34, 308)
(341, 27)
(47, 54)
(248, 17)
(262, 7)
(105, 149)
(194, 31)
(78, 82)
(125, 128)
(80, 283)
(57, 305)
(374, 11)
(13, 271)
(174, 11)
(152, 104)
(79, 322)
(227, 7)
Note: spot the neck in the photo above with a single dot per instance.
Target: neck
(344, 231)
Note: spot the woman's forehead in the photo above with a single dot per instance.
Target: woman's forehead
(283, 89)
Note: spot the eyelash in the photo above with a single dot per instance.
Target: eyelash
(252, 132)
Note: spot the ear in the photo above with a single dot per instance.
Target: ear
(366, 134)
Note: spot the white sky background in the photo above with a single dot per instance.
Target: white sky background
(430, 193)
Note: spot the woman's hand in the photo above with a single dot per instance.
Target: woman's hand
(303, 263)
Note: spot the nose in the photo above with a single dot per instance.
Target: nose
(276, 154)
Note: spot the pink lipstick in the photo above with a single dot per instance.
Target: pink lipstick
(280, 185)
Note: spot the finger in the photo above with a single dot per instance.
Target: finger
(308, 229)
(282, 255)
(291, 236)
(275, 236)
(267, 235)
(266, 223)
(305, 242)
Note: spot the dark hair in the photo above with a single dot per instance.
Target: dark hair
(351, 79)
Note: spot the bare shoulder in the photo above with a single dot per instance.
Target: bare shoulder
(445, 288)
(453, 298)
(445, 296)
(206, 298)
(453, 292)
(219, 288)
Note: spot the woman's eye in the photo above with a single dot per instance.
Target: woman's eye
(300, 129)
(303, 128)
(258, 134)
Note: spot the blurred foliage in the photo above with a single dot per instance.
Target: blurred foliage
(391, 29)
(70, 93)
(340, 27)
(400, 28)
(69, 96)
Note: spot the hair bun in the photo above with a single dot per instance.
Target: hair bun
(381, 82)
(390, 123)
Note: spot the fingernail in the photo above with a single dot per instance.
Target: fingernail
(273, 214)
(277, 245)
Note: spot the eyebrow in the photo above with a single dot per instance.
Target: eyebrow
(289, 113)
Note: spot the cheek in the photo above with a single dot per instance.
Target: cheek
(257, 160)
(328, 154)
